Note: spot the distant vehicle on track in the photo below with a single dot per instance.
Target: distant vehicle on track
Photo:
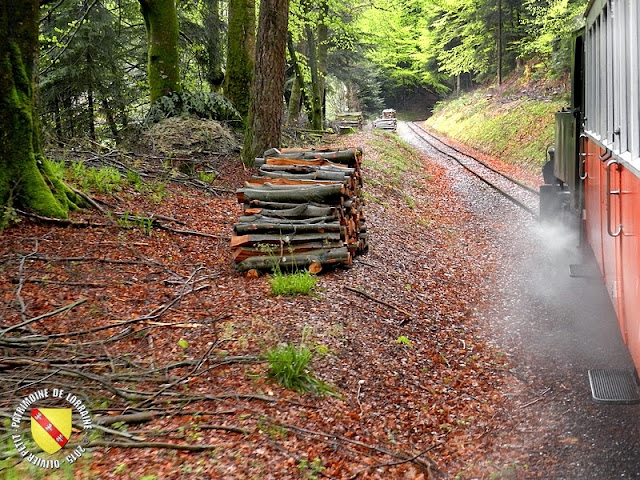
(593, 175)
(387, 120)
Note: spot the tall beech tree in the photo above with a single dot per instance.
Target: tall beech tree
(241, 51)
(265, 113)
(161, 22)
(25, 179)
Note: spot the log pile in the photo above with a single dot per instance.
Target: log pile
(349, 122)
(303, 209)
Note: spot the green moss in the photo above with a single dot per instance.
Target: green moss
(25, 181)
(161, 21)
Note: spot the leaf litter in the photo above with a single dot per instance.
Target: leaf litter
(169, 327)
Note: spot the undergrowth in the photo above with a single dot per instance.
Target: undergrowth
(300, 282)
(289, 366)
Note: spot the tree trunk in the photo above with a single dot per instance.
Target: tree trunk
(111, 121)
(298, 86)
(323, 56)
(499, 42)
(22, 183)
(241, 43)
(214, 27)
(265, 114)
(57, 120)
(293, 110)
(161, 22)
(92, 111)
(316, 98)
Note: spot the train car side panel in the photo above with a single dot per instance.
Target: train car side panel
(629, 291)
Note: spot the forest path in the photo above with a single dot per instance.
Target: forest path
(554, 328)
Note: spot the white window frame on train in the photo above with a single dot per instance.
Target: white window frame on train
(612, 77)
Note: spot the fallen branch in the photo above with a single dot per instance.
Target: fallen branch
(62, 222)
(44, 315)
(165, 445)
(377, 300)
(138, 417)
(242, 431)
(193, 232)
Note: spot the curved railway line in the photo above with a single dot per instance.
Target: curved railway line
(524, 196)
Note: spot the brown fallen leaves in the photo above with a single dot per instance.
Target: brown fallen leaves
(419, 394)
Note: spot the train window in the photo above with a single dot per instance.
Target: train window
(603, 75)
(633, 65)
(611, 76)
(620, 60)
(592, 97)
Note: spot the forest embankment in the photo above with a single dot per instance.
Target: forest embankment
(513, 122)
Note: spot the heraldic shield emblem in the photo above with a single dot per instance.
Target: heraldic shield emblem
(51, 427)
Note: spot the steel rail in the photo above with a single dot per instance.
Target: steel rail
(421, 133)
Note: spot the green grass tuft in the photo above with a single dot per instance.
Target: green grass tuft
(289, 366)
(292, 284)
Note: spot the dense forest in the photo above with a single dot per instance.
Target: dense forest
(105, 70)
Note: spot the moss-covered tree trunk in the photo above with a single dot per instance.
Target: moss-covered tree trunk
(214, 27)
(161, 21)
(293, 109)
(265, 113)
(25, 181)
(241, 48)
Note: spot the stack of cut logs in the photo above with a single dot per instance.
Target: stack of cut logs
(303, 210)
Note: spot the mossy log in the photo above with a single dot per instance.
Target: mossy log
(326, 194)
(288, 221)
(317, 175)
(242, 253)
(309, 162)
(283, 205)
(300, 211)
(300, 169)
(325, 257)
(286, 228)
(260, 181)
(350, 156)
(285, 240)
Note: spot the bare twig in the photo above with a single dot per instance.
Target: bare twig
(21, 281)
(377, 300)
(536, 400)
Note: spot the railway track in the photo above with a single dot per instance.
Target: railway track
(524, 196)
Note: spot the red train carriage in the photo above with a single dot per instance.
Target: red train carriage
(596, 170)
